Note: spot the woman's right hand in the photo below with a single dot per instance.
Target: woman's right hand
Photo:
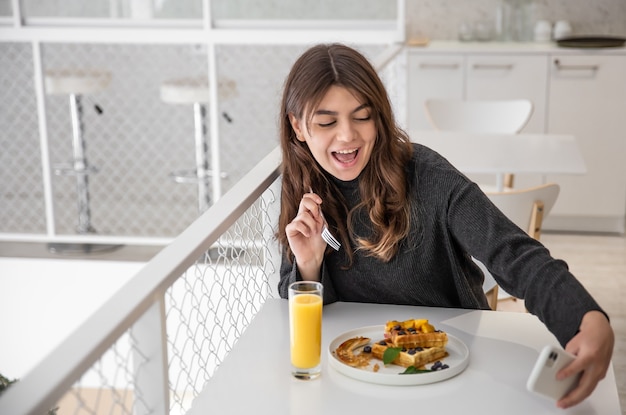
(304, 234)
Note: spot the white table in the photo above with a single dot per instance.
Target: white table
(506, 153)
(255, 377)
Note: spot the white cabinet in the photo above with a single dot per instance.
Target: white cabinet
(432, 76)
(587, 98)
(510, 77)
(476, 76)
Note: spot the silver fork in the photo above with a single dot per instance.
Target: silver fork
(327, 236)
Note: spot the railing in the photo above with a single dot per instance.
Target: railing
(152, 346)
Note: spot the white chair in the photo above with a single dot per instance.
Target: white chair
(526, 208)
(480, 116)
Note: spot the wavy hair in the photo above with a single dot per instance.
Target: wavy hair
(382, 184)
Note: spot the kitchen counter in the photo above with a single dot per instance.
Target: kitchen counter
(444, 46)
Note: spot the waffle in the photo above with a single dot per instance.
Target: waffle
(414, 333)
(416, 357)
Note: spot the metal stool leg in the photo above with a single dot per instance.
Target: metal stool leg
(80, 165)
(202, 174)
(202, 162)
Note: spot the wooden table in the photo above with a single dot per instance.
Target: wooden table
(255, 378)
(505, 153)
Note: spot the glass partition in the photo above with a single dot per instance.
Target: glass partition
(6, 8)
(377, 10)
(114, 9)
(303, 10)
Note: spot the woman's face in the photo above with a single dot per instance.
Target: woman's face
(341, 134)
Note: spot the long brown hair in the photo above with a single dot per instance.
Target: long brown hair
(382, 184)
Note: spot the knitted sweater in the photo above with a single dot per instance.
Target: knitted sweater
(452, 220)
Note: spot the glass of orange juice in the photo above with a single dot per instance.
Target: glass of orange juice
(305, 328)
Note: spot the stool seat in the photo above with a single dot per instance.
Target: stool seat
(196, 89)
(185, 90)
(76, 81)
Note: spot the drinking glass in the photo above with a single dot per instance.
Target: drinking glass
(305, 328)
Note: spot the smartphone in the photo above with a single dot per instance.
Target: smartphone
(542, 379)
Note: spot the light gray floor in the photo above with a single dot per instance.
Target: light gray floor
(40, 250)
(598, 261)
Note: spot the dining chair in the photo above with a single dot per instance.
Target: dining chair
(480, 116)
(527, 208)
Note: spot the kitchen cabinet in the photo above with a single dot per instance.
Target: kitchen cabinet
(510, 77)
(476, 76)
(432, 76)
(587, 98)
(574, 91)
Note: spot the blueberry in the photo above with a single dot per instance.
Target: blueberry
(397, 327)
(367, 349)
(412, 351)
(382, 343)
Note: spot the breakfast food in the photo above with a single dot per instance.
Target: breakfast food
(411, 344)
(414, 333)
(417, 357)
(345, 352)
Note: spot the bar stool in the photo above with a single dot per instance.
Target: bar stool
(76, 83)
(195, 91)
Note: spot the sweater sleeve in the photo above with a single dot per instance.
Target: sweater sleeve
(520, 264)
(289, 274)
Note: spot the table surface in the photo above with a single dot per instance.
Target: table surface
(506, 153)
(255, 377)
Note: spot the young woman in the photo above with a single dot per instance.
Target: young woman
(407, 220)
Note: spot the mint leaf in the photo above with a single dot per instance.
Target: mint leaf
(390, 354)
(412, 370)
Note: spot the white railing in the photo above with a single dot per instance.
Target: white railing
(142, 307)
(153, 345)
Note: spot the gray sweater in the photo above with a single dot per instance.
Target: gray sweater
(452, 220)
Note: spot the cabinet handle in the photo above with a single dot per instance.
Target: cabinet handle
(560, 66)
(505, 66)
(439, 65)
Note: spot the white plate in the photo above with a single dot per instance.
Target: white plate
(457, 361)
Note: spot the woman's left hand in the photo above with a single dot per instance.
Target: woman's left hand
(593, 348)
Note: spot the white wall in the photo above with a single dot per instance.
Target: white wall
(440, 19)
(43, 300)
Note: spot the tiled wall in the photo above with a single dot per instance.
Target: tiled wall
(440, 19)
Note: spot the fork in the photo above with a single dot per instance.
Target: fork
(327, 236)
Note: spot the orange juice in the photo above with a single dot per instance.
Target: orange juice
(306, 330)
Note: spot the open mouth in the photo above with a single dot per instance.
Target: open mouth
(346, 156)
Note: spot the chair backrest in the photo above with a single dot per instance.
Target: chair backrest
(479, 116)
(527, 207)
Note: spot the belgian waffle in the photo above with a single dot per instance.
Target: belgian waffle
(417, 357)
(414, 333)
